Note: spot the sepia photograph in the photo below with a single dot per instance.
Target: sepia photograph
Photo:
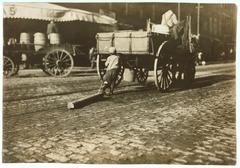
(119, 83)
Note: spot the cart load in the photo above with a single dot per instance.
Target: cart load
(128, 43)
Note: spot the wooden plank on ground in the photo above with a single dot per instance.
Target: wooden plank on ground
(85, 101)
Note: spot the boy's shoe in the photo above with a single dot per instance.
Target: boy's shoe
(100, 91)
(111, 92)
(108, 91)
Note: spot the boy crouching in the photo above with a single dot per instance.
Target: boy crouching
(110, 77)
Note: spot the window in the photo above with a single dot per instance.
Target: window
(210, 25)
(215, 28)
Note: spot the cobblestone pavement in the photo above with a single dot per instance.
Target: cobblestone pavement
(136, 125)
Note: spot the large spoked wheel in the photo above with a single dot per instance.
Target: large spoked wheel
(58, 63)
(101, 69)
(141, 75)
(163, 75)
(8, 67)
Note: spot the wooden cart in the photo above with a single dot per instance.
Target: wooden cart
(144, 51)
(54, 60)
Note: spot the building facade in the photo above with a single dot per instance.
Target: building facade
(216, 23)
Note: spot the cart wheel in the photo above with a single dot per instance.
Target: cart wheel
(16, 68)
(101, 69)
(142, 75)
(189, 74)
(58, 63)
(163, 75)
(8, 67)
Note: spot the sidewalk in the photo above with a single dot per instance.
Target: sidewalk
(83, 70)
(37, 72)
(219, 62)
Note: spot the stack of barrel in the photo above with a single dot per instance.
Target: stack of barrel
(39, 40)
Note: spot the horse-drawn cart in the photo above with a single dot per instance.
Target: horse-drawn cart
(171, 59)
(54, 60)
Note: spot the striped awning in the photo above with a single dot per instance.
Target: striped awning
(47, 11)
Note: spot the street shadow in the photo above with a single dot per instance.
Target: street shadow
(80, 73)
(30, 76)
(83, 75)
(150, 87)
(73, 74)
(198, 83)
(210, 80)
(137, 88)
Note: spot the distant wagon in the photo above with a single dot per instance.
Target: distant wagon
(54, 59)
(143, 51)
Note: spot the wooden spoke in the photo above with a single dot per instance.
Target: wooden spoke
(64, 57)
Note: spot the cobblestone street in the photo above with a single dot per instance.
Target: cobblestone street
(137, 124)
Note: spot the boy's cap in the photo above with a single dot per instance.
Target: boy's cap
(112, 50)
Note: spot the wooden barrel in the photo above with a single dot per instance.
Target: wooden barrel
(25, 38)
(129, 75)
(39, 40)
(54, 38)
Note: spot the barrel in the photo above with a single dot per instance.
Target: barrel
(54, 38)
(129, 75)
(39, 40)
(25, 38)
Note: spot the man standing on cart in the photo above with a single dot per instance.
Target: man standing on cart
(110, 77)
(169, 19)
